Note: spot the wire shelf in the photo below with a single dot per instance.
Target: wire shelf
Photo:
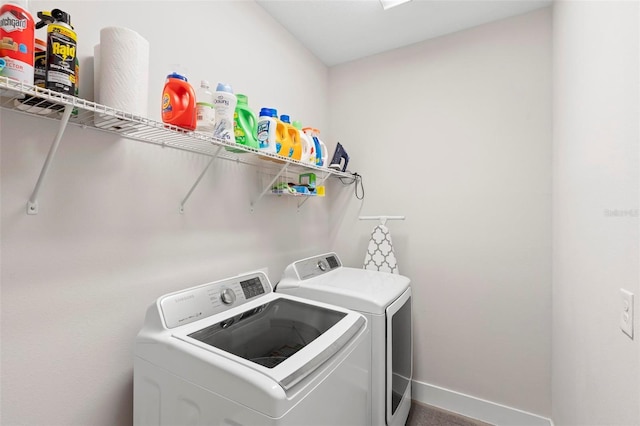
(47, 104)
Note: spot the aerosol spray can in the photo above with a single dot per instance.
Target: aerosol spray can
(61, 54)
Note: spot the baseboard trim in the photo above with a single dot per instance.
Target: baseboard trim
(473, 407)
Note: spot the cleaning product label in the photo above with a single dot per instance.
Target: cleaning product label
(10, 23)
(241, 137)
(61, 59)
(263, 134)
(223, 129)
(16, 43)
(224, 118)
(166, 103)
(205, 115)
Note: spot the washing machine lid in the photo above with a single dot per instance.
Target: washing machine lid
(284, 337)
(323, 278)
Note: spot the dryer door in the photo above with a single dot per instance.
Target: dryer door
(399, 370)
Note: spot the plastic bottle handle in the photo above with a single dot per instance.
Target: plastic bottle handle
(324, 153)
(306, 145)
(179, 94)
(253, 121)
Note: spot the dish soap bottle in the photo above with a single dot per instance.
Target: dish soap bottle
(205, 113)
(224, 102)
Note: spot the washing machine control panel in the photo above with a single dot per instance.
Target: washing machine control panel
(314, 266)
(199, 302)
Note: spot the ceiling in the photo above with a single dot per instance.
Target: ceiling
(339, 31)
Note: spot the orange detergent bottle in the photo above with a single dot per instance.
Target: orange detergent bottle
(294, 135)
(179, 102)
(284, 144)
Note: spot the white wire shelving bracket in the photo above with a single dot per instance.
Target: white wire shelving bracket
(66, 109)
(269, 186)
(383, 219)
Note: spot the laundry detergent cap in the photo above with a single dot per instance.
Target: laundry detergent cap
(285, 118)
(176, 75)
(266, 112)
(297, 125)
(242, 99)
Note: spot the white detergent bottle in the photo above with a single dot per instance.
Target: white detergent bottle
(307, 145)
(205, 112)
(322, 153)
(224, 102)
(267, 130)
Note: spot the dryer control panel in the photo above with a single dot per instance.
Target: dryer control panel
(199, 302)
(318, 265)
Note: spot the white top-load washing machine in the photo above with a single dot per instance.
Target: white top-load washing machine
(385, 300)
(232, 352)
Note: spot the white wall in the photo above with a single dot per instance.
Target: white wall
(78, 277)
(455, 133)
(596, 373)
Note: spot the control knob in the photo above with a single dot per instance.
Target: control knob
(227, 296)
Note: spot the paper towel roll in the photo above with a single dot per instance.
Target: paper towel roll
(123, 70)
(96, 73)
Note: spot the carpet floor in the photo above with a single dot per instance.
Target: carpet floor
(427, 415)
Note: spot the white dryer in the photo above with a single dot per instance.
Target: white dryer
(385, 300)
(232, 352)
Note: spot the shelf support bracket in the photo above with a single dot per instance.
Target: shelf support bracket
(184, 200)
(32, 204)
(268, 187)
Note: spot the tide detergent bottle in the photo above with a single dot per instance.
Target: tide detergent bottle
(284, 144)
(179, 102)
(245, 125)
(294, 136)
(308, 148)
